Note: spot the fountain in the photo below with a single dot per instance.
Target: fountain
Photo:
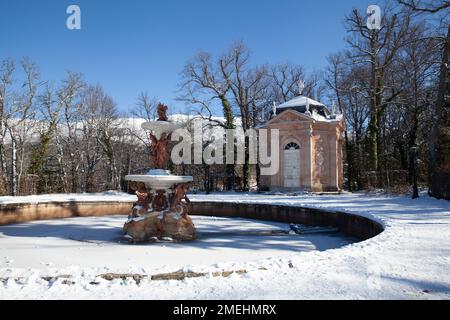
(161, 211)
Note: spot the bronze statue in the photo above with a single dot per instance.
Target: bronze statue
(161, 110)
(160, 201)
(179, 194)
(159, 148)
(153, 151)
(144, 198)
(159, 151)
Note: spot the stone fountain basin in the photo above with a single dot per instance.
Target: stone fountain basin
(158, 181)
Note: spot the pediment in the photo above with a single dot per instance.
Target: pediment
(290, 116)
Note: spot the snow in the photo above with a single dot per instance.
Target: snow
(299, 101)
(93, 240)
(409, 260)
(321, 118)
(132, 126)
(304, 101)
(108, 196)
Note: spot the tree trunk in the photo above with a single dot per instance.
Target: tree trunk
(258, 176)
(38, 158)
(73, 175)
(13, 179)
(3, 191)
(228, 114)
(350, 161)
(246, 167)
(373, 123)
(438, 109)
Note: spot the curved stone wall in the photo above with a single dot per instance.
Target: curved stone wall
(22, 212)
(351, 224)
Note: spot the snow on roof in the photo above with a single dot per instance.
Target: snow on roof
(299, 101)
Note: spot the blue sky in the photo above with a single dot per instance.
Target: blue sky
(135, 45)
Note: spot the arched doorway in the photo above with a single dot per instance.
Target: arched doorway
(291, 165)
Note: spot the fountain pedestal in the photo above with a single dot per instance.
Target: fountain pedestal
(162, 208)
(154, 227)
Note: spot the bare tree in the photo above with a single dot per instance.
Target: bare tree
(441, 100)
(202, 85)
(351, 92)
(433, 6)
(377, 49)
(20, 122)
(145, 107)
(67, 137)
(246, 85)
(92, 152)
(52, 102)
(335, 82)
(105, 122)
(437, 8)
(288, 81)
(6, 73)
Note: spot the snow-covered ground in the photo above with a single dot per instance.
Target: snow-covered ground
(409, 260)
(109, 196)
(96, 242)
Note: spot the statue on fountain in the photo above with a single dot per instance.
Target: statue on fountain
(162, 208)
(161, 110)
(159, 151)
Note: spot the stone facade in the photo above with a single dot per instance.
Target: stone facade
(310, 152)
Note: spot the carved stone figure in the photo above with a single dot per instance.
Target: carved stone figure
(153, 150)
(144, 198)
(179, 194)
(161, 110)
(160, 201)
(159, 151)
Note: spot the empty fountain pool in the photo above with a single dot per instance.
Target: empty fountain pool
(97, 242)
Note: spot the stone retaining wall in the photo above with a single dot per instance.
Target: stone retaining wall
(354, 225)
(22, 212)
(360, 227)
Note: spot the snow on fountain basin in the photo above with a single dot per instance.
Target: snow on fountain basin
(96, 242)
(160, 127)
(158, 179)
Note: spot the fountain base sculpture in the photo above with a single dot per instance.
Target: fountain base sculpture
(161, 211)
